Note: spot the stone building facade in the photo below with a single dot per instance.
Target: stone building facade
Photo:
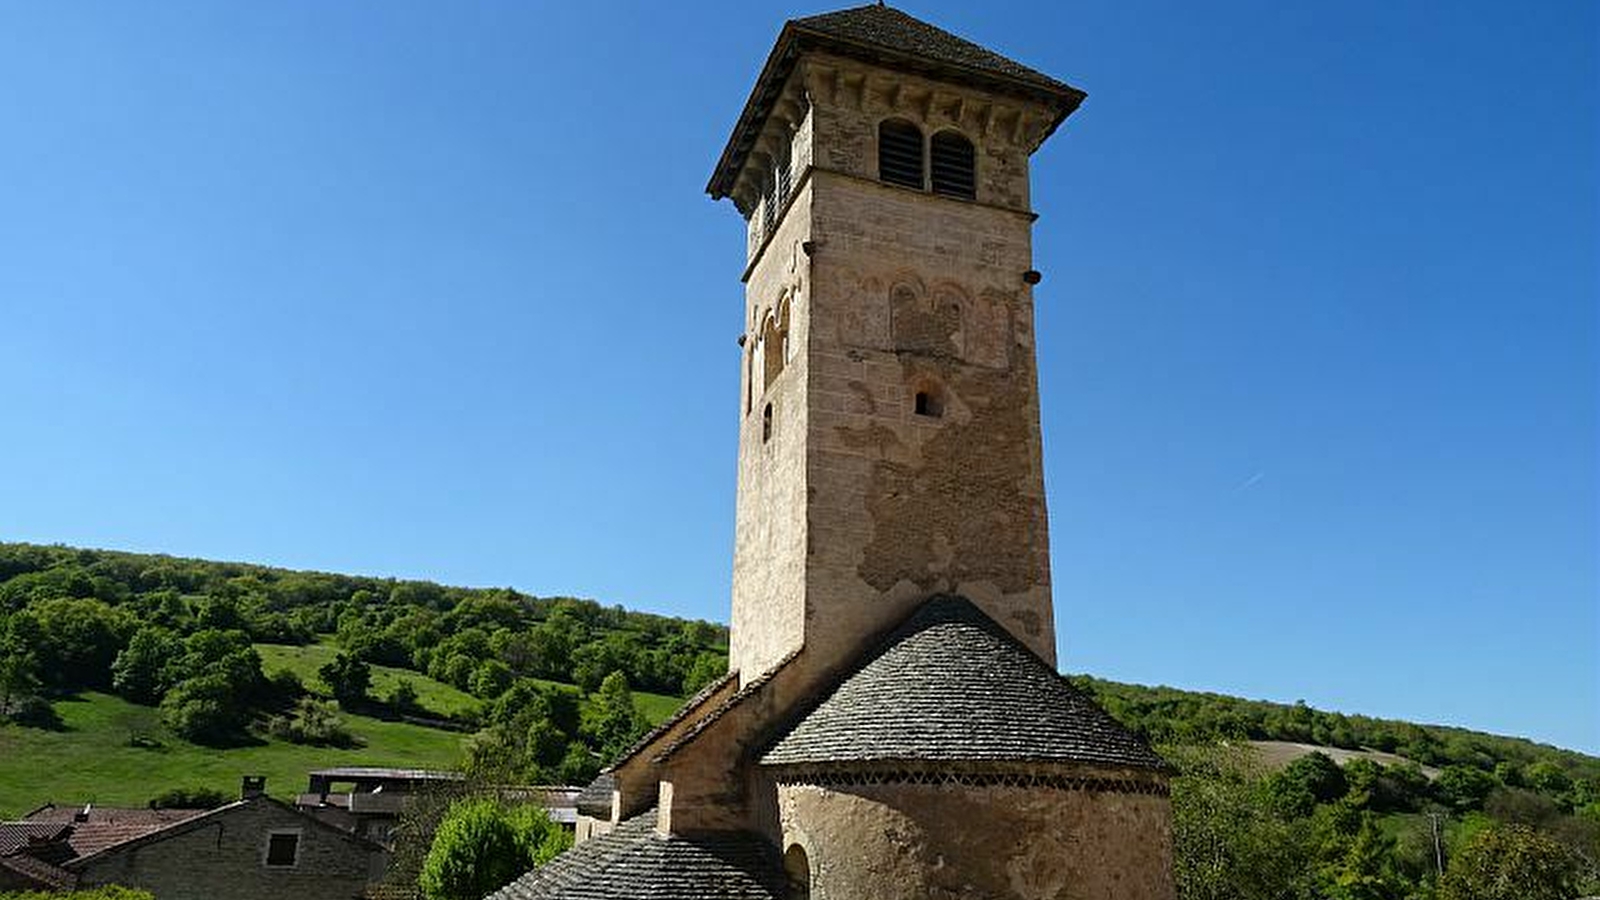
(255, 849)
(892, 724)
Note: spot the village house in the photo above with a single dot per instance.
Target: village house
(255, 848)
(369, 801)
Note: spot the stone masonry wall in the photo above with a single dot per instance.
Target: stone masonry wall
(225, 859)
(770, 521)
(920, 294)
(856, 507)
(951, 842)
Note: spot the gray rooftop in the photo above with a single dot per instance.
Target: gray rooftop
(379, 773)
(635, 861)
(885, 36)
(952, 685)
(595, 800)
(885, 28)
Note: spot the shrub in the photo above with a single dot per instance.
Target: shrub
(33, 711)
(348, 676)
(1510, 862)
(314, 722)
(403, 697)
(482, 844)
(188, 798)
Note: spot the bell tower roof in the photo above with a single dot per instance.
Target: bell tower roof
(883, 35)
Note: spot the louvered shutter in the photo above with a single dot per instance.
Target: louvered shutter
(953, 166)
(900, 154)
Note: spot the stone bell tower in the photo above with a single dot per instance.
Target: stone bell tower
(889, 444)
(893, 724)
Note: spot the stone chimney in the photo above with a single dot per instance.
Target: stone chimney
(252, 786)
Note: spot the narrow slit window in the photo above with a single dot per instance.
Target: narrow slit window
(954, 165)
(766, 423)
(780, 175)
(749, 378)
(900, 153)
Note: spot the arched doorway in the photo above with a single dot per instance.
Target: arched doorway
(798, 870)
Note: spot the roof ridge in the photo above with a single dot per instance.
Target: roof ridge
(1004, 64)
(186, 824)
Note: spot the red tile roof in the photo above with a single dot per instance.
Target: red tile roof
(38, 872)
(104, 826)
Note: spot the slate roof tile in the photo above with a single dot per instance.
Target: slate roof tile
(635, 862)
(38, 873)
(952, 685)
(689, 707)
(594, 801)
(882, 34)
(19, 835)
(887, 28)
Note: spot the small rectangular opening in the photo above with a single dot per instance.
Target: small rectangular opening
(282, 848)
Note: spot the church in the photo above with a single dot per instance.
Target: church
(892, 724)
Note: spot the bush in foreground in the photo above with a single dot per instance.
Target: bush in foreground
(483, 844)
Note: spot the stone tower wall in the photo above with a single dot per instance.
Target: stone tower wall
(915, 293)
(769, 559)
(854, 507)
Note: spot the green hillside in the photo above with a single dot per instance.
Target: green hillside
(435, 698)
(125, 675)
(117, 753)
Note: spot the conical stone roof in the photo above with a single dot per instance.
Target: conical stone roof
(951, 685)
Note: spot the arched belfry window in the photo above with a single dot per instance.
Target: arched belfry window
(900, 153)
(954, 165)
(781, 174)
(777, 193)
(797, 871)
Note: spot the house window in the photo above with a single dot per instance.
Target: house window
(900, 153)
(953, 165)
(283, 848)
(766, 423)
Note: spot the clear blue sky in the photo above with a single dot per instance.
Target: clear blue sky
(432, 290)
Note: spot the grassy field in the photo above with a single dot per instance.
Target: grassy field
(656, 707)
(92, 760)
(436, 697)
